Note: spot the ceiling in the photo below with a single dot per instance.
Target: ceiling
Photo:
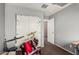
(47, 8)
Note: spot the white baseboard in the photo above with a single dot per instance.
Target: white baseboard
(64, 49)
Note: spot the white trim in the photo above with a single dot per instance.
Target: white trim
(50, 42)
(65, 49)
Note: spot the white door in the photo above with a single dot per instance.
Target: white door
(51, 31)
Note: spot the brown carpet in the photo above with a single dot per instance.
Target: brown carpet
(51, 49)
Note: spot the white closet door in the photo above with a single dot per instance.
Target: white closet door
(22, 25)
(27, 24)
(51, 31)
(35, 25)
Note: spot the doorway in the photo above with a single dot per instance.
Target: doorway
(49, 31)
(45, 32)
(50, 28)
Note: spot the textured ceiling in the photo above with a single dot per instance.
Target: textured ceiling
(47, 8)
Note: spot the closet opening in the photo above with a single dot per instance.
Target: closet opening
(27, 24)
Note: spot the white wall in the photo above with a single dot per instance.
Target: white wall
(2, 25)
(67, 26)
(10, 20)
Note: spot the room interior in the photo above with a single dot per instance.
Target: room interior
(46, 28)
